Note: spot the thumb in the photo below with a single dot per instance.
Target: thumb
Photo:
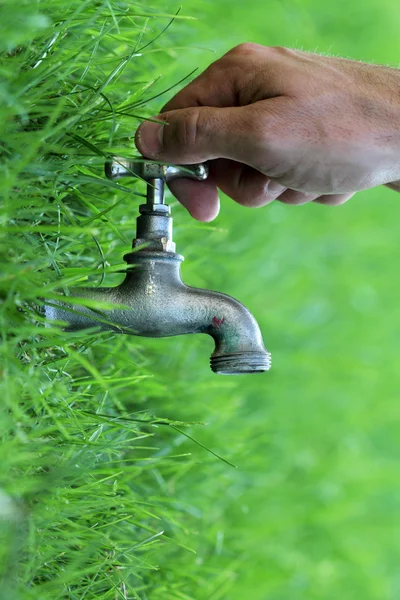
(198, 134)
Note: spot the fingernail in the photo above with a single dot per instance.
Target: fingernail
(274, 189)
(149, 138)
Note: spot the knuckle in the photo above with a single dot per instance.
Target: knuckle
(184, 133)
(243, 48)
(246, 48)
(191, 128)
(280, 51)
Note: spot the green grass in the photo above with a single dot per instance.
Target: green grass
(102, 495)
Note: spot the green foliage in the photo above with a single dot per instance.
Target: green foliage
(102, 493)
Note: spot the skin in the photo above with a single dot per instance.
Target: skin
(280, 124)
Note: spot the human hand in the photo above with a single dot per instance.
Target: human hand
(280, 124)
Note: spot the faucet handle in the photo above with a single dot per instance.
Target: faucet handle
(117, 167)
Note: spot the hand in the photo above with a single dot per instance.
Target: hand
(280, 124)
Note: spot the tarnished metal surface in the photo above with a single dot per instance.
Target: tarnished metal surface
(159, 304)
(154, 230)
(156, 303)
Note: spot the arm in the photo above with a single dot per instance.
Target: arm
(281, 124)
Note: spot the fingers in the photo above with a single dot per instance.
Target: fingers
(295, 198)
(248, 134)
(199, 134)
(240, 182)
(200, 198)
(333, 199)
(245, 185)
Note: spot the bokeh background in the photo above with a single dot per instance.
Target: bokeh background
(312, 510)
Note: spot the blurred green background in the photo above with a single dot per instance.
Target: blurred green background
(312, 510)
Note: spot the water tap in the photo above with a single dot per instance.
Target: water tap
(153, 301)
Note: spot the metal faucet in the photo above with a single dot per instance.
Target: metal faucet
(155, 302)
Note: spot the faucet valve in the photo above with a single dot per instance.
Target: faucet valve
(156, 175)
(154, 225)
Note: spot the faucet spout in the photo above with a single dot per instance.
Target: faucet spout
(153, 301)
(239, 347)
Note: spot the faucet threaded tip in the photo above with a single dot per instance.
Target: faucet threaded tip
(241, 363)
